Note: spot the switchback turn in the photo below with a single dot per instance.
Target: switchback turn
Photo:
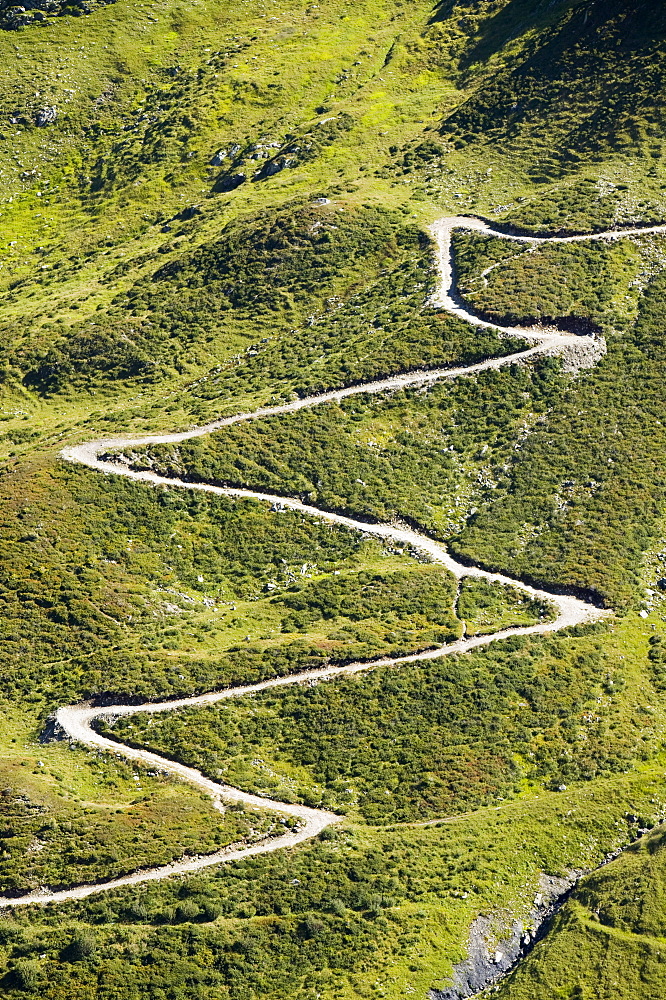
(77, 720)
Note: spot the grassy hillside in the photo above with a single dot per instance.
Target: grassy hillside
(338, 917)
(208, 207)
(498, 448)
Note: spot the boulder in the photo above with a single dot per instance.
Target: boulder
(229, 182)
(189, 212)
(273, 168)
(46, 116)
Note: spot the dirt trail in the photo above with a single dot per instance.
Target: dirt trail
(76, 720)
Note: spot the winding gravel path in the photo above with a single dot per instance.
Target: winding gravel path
(76, 720)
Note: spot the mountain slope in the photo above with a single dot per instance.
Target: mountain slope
(206, 208)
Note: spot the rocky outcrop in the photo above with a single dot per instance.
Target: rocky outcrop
(52, 731)
(229, 182)
(498, 941)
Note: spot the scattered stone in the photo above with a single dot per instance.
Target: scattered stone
(217, 160)
(498, 941)
(586, 352)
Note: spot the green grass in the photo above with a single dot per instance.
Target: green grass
(139, 592)
(485, 607)
(526, 502)
(337, 917)
(145, 99)
(426, 740)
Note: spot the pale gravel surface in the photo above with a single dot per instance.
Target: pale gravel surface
(76, 719)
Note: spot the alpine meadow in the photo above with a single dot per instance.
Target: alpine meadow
(333, 523)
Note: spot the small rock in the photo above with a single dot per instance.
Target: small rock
(643, 613)
(216, 160)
